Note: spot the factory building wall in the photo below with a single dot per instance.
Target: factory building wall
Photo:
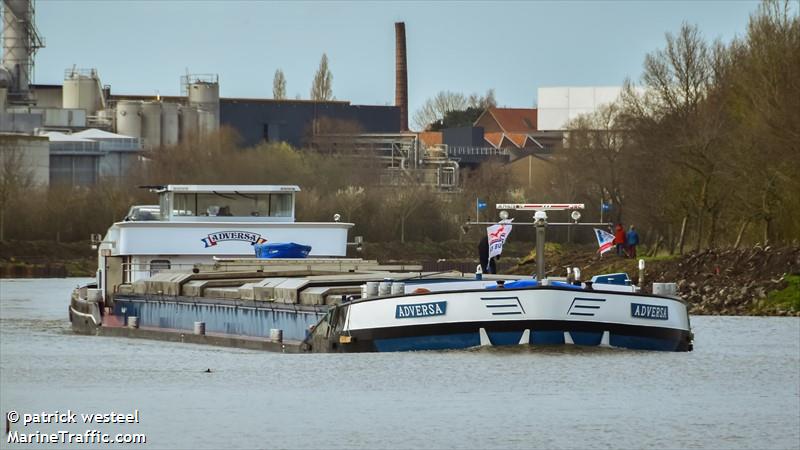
(559, 105)
(117, 164)
(290, 121)
(463, 137)
(48, 96)
(74, 170)
(30, 155)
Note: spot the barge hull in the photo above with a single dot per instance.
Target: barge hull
(509, 333)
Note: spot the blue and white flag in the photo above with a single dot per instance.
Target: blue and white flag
(604, 239)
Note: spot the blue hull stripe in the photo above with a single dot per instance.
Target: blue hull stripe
(547, 338)
(505, 337)
(509, 338)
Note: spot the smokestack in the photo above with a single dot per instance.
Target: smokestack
(401, 74)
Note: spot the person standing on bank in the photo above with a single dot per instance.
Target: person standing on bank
(487, 265)
(620, 239)
(632, 241)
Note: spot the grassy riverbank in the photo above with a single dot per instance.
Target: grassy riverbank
(45, 259)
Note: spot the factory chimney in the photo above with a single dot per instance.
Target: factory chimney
(401, 74)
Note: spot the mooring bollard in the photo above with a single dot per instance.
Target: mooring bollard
(276, 335)
(133, 322)
(200, 328)
(641, 274)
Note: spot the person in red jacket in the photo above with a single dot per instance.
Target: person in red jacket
(619, 239)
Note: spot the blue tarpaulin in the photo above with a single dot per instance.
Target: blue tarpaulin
(282, 250)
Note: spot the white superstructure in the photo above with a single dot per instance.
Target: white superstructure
(192, 224)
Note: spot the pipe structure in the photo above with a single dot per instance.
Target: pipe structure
(540, 238)
(401, 74)
(20, 42)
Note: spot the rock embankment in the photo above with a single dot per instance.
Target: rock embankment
(713, 281)
(735, 282)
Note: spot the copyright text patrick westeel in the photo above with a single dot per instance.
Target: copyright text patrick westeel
(31, 423)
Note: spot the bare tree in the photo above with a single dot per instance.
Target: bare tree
(596, 145)
(483, 102)
(322, 86)
(435, 108)
(15, 178)
(279, 85)
(679, 82)
(350, 200)
(405, 201)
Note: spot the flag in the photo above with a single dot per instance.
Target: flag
(604, 239)
(497, 235)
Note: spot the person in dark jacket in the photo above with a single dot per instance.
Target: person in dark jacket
(619, 239)
(487, 265)
(632, 241)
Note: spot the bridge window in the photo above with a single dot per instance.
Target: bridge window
(232, 205)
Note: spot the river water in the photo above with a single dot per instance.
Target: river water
(739, 388)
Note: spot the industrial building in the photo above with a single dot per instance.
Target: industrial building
(560, 105)
(94, 133)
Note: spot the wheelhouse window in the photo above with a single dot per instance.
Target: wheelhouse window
(280, 205)
(231, 204)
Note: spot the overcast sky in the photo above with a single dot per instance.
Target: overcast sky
(142, 47)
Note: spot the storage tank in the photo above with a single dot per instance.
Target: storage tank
(188, 122)
(206, 122)
(129, 118)
(204, 95)
(151, 124)
(169, 123)
(81, 91)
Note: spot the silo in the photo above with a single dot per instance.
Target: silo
(129, 118)
(81, 91)
(151, 124)
(188, 122)
(204, 95)
(207, 122)
(169, 123)
(105, 117)
(20, 42)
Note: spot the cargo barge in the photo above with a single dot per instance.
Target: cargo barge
(170, 273)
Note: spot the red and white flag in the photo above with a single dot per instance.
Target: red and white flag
(497, 235)
(605, 240)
